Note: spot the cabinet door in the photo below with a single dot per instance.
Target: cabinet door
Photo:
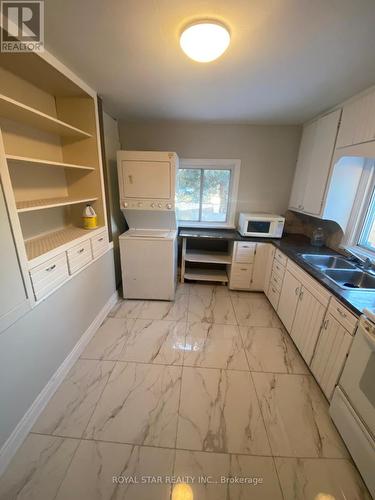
(260, 267)
(268, 272)
(307, 323)
(302, 167)
(330, 354)
(320, 162)
(358, 121)
(13, 297)
(288, 300)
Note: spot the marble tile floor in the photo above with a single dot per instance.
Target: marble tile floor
(203, 398)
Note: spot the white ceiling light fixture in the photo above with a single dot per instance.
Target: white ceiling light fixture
(205, 41)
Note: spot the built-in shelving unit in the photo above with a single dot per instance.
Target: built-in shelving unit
(35, 162)
(199, 274)
(31, 205)
(49, 156)
(205, 261)
(50, 241)
(14, 110)
(207, 257)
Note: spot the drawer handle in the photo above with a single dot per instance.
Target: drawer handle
(297, 290)
(51, 268)
(100, 239)
(243, 269)
(301, 295)
(81, 250)
(325, 324)
(341, 313)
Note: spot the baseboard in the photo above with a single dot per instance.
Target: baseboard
(24, 426)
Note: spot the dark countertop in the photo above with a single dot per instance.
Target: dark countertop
(293, 245)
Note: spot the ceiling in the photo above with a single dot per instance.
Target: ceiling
(288, 59)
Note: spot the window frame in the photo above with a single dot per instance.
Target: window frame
(358, 215)
(234, 165)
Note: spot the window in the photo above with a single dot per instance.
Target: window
(367, 237)
(360, 234)
(207, 192)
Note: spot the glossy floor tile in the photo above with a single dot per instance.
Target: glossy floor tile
(109, 340)
(214, 346)
(211, 305)
(219, 412)
(162, 309)
(271, 350)
(296, 416)
(70, 409)
(139, 406)
(204, 398)
(325, 479)
(38, 468)
(111, 471)
(155, 341)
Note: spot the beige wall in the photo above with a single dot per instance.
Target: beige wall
(268, 154)
(117, 220)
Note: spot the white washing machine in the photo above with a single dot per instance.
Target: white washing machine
(149, 263)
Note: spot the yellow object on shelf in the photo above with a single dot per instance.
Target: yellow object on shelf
(89, 217)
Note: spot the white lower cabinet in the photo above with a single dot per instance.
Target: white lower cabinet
(49, 275)
(333, 346)
(307, 323)
(79, 256)
(289, 297)
(247, 271)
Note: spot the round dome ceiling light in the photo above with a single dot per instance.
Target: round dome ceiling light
(205, 41)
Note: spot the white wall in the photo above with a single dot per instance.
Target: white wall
(33, 348)
(117, 220)
(268, 154)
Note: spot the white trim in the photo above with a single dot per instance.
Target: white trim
(26, 423)
(232, 164)
(359, 211)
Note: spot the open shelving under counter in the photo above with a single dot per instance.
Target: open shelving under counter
(19, 112)
(36, 162)
(206, 275)
(35, 247)
(207, 257)
(31, 205)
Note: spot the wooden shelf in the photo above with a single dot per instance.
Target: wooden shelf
(47, 242)
(35, 162)
(16, 111)
(28, 206)
(208, 257)
(206, 275)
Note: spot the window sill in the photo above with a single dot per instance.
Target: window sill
(187, 224)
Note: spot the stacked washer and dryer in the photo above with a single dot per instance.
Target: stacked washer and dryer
(147, 185)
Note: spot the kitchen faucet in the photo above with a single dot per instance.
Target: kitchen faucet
(366, 263)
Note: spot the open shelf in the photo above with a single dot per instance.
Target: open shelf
(206, 275)
(35, 162)
(16, 111)
(28, 206)
(47, 242)
(208, 257)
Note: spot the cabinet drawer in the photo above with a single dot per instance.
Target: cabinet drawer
(79, 256)
(99, 244)
(273, 296)
(278, 269)
(244, 252)
(49, 275)
(240, 276)
(276, 281)
(281, 257)
(343, 316)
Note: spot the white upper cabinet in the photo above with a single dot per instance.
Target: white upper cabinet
(358, 121)
(314, 164)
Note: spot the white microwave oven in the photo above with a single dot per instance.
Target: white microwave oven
(261, 225)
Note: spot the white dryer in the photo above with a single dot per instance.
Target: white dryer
(148, 249)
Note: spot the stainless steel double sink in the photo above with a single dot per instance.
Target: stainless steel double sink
(341, 271)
